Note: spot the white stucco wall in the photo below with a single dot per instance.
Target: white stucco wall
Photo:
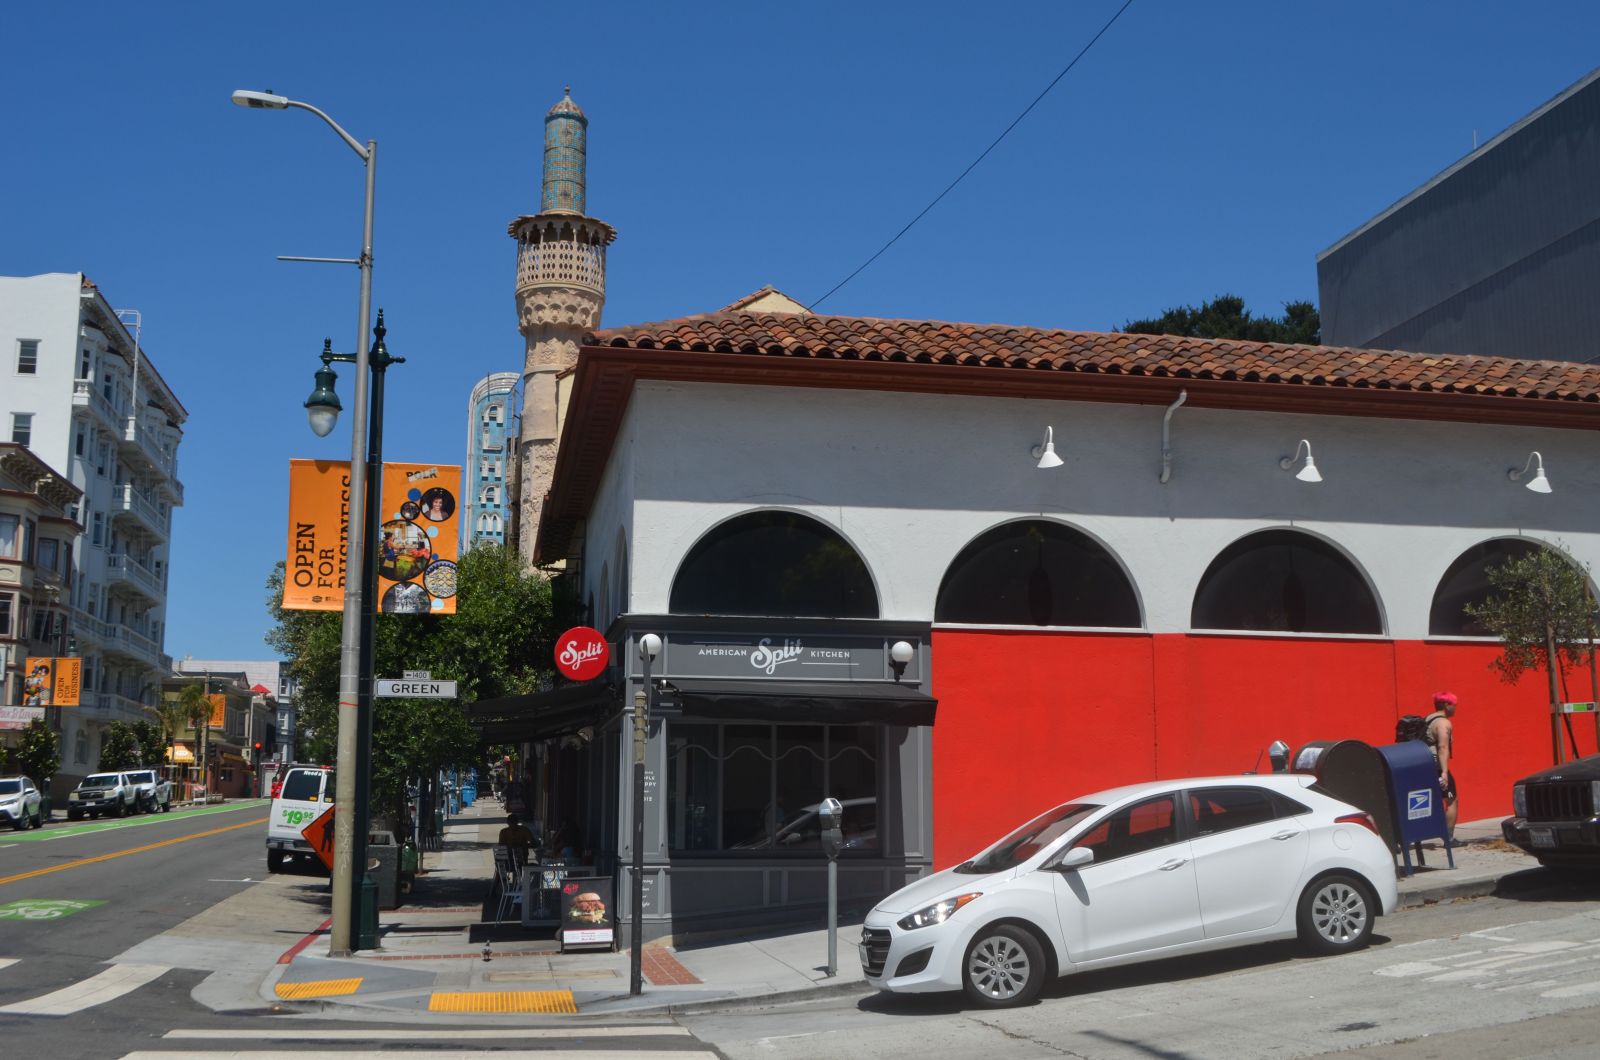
(910, 480)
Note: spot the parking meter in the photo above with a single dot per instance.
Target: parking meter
(1278, 755)
(832, 814)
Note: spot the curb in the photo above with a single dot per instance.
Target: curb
(759, 1001)
(1516, 882)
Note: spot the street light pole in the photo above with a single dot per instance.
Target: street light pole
(649, 648)
(354, 683)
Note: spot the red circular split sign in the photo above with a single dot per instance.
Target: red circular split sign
(582, 653)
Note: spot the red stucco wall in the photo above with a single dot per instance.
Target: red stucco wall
(1029, 719)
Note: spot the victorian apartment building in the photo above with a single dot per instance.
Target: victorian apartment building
(82, 397)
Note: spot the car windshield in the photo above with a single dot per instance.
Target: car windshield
(143, 776)
(10, 787)
(104, 780)
(1028, 840)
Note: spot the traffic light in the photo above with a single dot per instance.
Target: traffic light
(258, 745)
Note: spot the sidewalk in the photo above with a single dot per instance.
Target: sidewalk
(431, 959)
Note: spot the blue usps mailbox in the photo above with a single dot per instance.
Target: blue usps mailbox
(1418, 802)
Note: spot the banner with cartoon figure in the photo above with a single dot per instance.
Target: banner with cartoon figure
(50, 682)
(417, 540)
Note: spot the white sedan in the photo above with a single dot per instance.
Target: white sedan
(1150, 870)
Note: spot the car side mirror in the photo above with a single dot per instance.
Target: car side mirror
(1074, 858)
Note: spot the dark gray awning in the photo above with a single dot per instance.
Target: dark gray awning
(839, 702)
(542, 715)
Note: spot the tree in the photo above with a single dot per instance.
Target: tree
(197, 713)
(1225, 317)
(1540, 608)
(173, 715)
(147, 734)
(39, 753)
(119, 749)
(490, 647)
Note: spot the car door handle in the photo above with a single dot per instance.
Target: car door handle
(1289, 833)
(1175, 863)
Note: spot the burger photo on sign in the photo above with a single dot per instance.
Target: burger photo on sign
(588, 908)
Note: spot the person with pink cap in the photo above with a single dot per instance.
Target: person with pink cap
(1441, 739)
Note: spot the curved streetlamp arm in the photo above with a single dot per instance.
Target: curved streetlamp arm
(355, 145)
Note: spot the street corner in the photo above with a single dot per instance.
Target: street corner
(322, 981)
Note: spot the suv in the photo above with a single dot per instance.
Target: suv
(19, 803)
(154, 794)
(1554, 814)
(102, 793)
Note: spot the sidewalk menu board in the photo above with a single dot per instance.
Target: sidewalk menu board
(587, 916)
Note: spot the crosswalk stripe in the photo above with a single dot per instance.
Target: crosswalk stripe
(109, 985)
(424, 1054)
(419, 1034)
(6, 962)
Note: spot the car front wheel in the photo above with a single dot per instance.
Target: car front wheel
(1004, 966)
(1336, 915)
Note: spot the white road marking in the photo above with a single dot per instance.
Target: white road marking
(1579, 990)
(109, 985)
(432, 1054)
(6, 962)
(245, 880)
(382, 1034)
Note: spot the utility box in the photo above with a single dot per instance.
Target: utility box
(1354, 772)
(382, 849)
(1418, 800)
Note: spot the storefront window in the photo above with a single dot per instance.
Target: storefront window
(774, 564)
(1036, 573)
(754, 789)
(1284, 580)
(1467, 582)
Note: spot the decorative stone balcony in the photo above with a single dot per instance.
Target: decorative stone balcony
(129, 502)
(85, 396)
(124, 570)
(560, 250)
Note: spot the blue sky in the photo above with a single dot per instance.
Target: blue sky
(1199, 148)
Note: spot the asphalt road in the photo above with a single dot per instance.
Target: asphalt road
(73, 897)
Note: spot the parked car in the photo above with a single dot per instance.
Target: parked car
(153, 791)
(19, 803)
(1150, 870)
(306, 794)
(102, 793)
(1554, 814)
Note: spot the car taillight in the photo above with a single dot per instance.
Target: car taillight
(1363, 819)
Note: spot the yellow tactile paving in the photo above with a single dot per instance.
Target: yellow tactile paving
(318, 988)
(504, 1001)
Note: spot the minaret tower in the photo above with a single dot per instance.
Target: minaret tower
(561, 287)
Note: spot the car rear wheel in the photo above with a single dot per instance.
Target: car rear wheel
(1336, 915)
(274, 861)
(1004, 966)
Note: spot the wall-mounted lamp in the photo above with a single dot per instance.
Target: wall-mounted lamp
(1309, 473)
(900, 653)
(1538, 483)
(1046, 453)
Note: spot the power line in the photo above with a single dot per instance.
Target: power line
(1015, 122)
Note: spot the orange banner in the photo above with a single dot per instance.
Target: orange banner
(418, 539)
(219, 710)
(319, 509)
(51, 682)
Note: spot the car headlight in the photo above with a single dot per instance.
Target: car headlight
(938, 912)
(9, 800)
(1519, 799)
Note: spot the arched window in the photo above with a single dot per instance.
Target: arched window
(1284, 580)
(1036, 573)
(774, 564)
(1467, 582)
(491, 495)
(622, 572)
(492, 414)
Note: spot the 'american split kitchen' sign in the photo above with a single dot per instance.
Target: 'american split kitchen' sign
(782, 657)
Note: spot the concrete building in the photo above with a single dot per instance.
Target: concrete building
(276, 720)
(560, 290)
(36, 543)
(870, 586)
(83, 395)
(1499, 254)
(492, 435)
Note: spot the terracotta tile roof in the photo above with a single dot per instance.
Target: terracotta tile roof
(837, 338)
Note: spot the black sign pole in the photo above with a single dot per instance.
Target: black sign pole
(641, 719)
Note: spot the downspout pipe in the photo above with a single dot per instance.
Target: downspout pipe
(1166, 436)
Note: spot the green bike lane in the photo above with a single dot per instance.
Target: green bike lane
(74, 897)
(64, 831)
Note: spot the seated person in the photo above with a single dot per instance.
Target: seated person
(517, 838)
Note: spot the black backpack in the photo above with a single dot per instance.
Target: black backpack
(1411, 727)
